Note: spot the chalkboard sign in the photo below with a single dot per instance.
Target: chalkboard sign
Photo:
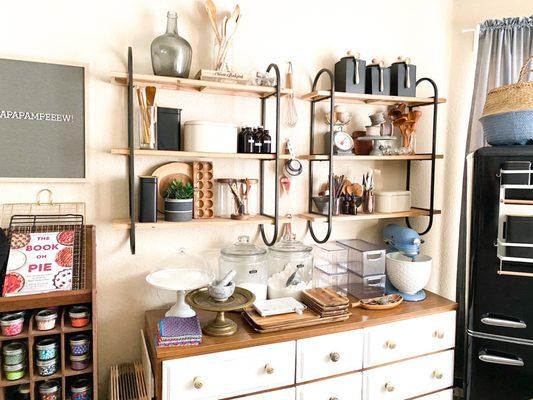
(42, 120)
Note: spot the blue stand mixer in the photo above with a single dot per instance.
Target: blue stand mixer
(407, 242)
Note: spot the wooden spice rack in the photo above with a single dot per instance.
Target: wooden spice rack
(62, 331)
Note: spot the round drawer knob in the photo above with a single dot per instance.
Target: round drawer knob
(334, 356)
(389, 387)
(269, 369)
(198, 383)
(437, 374)
(390, 344)
(438, 334)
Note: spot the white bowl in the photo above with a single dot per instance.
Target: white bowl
(407, 275)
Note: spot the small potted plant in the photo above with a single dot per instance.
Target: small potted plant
(178, 201)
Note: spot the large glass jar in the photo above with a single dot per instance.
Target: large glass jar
(250, 263)
(290, 268)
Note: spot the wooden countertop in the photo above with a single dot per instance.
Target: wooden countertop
(247, 337)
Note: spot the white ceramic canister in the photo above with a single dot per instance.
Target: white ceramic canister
(393, 201)
(212, 137)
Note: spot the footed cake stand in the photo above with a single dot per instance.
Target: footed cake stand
(220, 326)
(180, 280)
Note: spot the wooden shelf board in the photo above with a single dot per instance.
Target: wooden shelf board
(414, 212)
(413, 157)
(38, 378)
(257, 220)
(194, 155)
(195, 85)
(69, 329)
(518, 202)
(71, 372)
(55, 331)
(5, 383)
(44, 300)
(370, 99)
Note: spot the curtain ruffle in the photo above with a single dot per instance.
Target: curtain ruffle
(507, 23)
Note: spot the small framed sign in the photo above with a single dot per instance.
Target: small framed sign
(43, 121)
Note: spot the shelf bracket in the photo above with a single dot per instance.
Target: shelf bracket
(433, 157)
(131, 155)
(330, 155)
(276, 160)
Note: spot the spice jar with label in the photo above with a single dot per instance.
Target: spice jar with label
(14, 353)
(79, 316)
(46, 319)
(80, 389)
(50, 390)
(12, 324)
(249, 261)
(47, 349)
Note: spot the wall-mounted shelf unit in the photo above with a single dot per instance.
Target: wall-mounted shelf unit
(131, 80)
(334, 97)
(195, 85)
(62, 331)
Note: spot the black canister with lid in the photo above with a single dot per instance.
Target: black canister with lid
(377, 79)
(168, 128)
(350, 74)
(148, 199)
(403, 78)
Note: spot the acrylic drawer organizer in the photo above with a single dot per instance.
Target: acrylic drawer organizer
(65, 375)
(330, 266)
(514, 243)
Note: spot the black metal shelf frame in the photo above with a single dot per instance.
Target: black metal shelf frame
(131, 157)
(329, 158)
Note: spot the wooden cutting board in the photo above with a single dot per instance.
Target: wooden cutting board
(328, 313)
(280, 320)
(317, 307)
(326, 297)
(166, 174)
(302, 324)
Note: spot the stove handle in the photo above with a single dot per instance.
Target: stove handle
(505, 323)
(492, 359)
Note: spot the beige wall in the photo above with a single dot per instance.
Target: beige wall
(466, 15)
(313, 35)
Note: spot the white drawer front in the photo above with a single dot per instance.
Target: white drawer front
(409, 378)
(229, 373)
(285, 394)
(327, 355)
(442, 395)
(346, 387)
(410, 338)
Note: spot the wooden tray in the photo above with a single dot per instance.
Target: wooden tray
(279, 320)
(301, 324)
(325, 297)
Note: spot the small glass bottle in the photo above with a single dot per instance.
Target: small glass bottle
(267, 143)
(258, 140)
(248, 141)
(171, 54)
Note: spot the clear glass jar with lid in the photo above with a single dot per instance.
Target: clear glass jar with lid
(290, 267)
(250, 263)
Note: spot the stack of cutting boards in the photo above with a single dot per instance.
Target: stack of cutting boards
(326, 302)
(323, 306)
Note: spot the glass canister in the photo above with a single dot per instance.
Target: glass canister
(224, 201)
(290, 267)
(250, 263)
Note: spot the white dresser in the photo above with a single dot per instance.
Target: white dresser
(396, 354)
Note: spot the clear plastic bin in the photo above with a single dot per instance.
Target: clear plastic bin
(364, 258)
(366, 287)
(330, 266)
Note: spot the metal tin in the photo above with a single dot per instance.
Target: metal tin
(81, 389)
(79, 316)
(12, 324)
(15, 372)
(148, 199)
(23, 392)
(46, 349)
(46, 319)
(50, 390)
(14, 353)
(79, 363)
(80, 345)
(47, 367)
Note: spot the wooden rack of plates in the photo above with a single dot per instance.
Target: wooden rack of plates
(62, 331)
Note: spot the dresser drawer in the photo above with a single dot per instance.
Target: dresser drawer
(410, 338)
(410, 378)
(346, 387)
(229, 373)
(442, 395)
(285, 394)
(327, 355)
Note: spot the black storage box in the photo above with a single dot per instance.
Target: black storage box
(350, 75)
(519, 230)
(403, 79)
(377, 80)
(148, 199)
(168, 128)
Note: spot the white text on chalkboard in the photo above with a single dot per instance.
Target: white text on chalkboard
(36, 116)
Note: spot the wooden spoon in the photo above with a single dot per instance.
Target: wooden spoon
(211, 10)
(150, 95)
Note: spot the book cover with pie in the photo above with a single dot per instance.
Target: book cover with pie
(39, 263)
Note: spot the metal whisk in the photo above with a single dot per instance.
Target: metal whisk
(291, 116)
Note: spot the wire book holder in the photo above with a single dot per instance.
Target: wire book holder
(57, 223)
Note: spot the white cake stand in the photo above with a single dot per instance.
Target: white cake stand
(180, 280)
